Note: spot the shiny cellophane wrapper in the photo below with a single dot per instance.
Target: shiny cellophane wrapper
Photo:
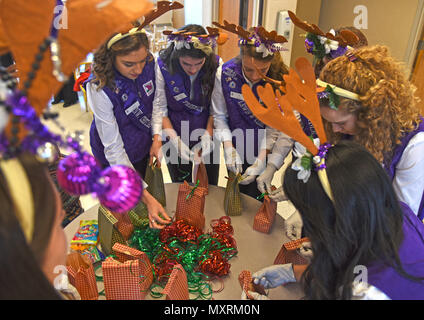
(264, 218)
(232, 198)
(128, 277)
(111, 228)
(191, 205)
(202, 177)
(289, 254)
(177, 285)
(156, 186)
(81, 275)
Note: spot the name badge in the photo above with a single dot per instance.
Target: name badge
(180, 96)
(236, 95)
(134, 106)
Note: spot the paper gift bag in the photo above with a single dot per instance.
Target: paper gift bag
(232, 197)
(201, 175)
(246, 283)
(139, 216)
(129, 277)
(81, 275)
(265, 216)
(191, 205)
(289, 254)
(156, 186)
(177, 286)
(109, 232)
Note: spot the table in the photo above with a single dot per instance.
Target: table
(256, 250)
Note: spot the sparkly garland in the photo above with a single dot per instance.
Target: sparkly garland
(204, 256)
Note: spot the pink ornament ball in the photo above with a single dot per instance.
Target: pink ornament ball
(119, 188)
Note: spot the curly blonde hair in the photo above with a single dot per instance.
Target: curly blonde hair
(388, 106)
(104, 58)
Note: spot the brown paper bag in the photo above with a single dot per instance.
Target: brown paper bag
(81, 275)
(109, 232)
(191, 205)
(156, 186)
(232, 198)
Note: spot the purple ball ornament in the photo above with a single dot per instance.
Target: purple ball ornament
(119, 188)
(78, 173)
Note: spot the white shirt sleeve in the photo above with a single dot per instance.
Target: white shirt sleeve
(409, 179)
(107, 126)
(280, 150)
(160, 103)
(219, 110)
(364, 291)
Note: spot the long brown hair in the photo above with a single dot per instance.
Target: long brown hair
(104, 58)
(388, 106)
(21, 276)
(277, 69)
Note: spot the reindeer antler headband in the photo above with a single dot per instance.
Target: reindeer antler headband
(162, 8)
(265, 42)
(278, 114)
(205, 42)
(320, 44)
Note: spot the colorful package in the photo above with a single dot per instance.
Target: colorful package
(87, 235)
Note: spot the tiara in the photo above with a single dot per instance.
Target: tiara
(279, 114)
(265, 42)
(162, 8)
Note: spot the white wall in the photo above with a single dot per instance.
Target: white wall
(198, 12)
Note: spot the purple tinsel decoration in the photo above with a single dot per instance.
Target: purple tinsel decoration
(337, 53)
(322, 154)
(309, 45)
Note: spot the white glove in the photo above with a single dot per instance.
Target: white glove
(264, 180)
(184, 151)
(233, 160)
(293, 226)
(253, 171)
(206, 145)
(274, 276)
(278, 195)
(306, 250)
(255, 296)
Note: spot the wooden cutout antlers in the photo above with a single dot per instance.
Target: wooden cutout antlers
(161, 8)
(231, 27)
(278, 113)
(345, 38)
(270, 36)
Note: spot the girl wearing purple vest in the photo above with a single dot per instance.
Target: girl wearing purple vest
(372, 102)
(365, 243)
(243, 135)
(121, 96)
(185, 76)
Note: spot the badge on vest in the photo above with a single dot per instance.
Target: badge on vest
(180, 96)
(236, 95)
(149, 88)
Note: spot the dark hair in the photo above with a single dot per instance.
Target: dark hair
(104, 58)
(170, 57)
(277, 69)
(21, 276)
(364, 224)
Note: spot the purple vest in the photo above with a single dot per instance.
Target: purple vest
(180, 107)
(397, 155)
(411, 254)
(239, 114)
(132, 106)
